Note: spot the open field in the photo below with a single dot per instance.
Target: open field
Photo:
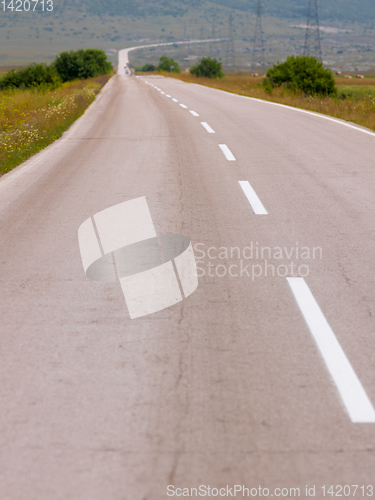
(357, 91)
(368, 80)
(30, 120)
(358, 107)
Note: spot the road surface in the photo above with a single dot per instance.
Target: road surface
(253, 380)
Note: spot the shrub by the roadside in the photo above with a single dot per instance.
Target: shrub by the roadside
(208, 68)
(82, 64)
(146, 68)
(302, 73)
(168, 64)
(32, 76)
(68, 66)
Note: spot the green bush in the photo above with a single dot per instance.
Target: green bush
(301, 73)
(170, 65)
(207, 67)
(147, 67)
(32, 76)
(82, 64)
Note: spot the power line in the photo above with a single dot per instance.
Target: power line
(258, 47)
(312, 39)
(230, 57)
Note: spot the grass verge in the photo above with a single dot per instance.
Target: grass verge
(30, 120)
(355, 102)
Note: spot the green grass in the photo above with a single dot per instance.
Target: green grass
(357, 91)
(31, 120)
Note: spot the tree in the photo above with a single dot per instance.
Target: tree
(303, 73)
(170, 65)
(81, 64)
(147, 67)
(207, 67)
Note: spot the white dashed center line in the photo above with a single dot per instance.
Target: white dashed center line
(194, 113)
(227, 152)
(353, 395)
(253, 198)
(183, 106)
(162, 92)
(208, 128)
(175, 100)
(167, 95)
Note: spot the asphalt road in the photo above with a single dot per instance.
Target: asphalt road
(253, 380)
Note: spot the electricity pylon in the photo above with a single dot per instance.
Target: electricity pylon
(213, 36)
(230, 57)
(258, 47)
(201, 36)
(186, 38)
(312, 39)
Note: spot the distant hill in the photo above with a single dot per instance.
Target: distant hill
(329, 10)
(347, 41)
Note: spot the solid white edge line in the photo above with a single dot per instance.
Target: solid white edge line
(353, 395)
(253, 198)
(207, 127)
(319, 115)
(183, 106)
(194, 113)
(227, 152)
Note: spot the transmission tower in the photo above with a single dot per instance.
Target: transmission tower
(258, 47)
(230, 57)
(187, 38)
(213, 36)
(312, 40)
(201, 36)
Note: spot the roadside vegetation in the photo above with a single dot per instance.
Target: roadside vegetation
(35, 76)
(301, 74)
(32, 119)
(68, 66)
(166, 65)
(39, 102)
(146, 68)
(82, 64)
(207, 68)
